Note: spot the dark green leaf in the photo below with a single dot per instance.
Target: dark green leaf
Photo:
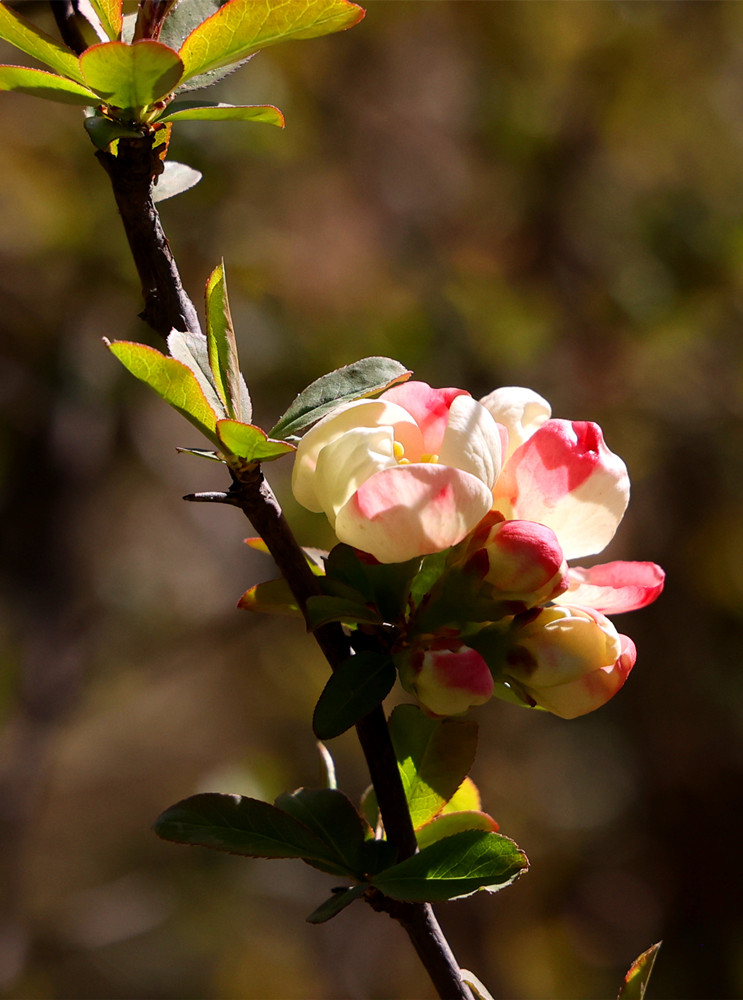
(222, 349)
(384, 585)
(332, 817)
(636, 981)
(362, 378)
(357, 686)
(323, 609)
(434, 756)
(337, 902)
(175, 179)
(454, 867)
(378, 855)
(39, 83)
(241, 27)
(239, 825)
(131, 76)
(265, 113)
(29, 39)
(432, 567)
(103, 131)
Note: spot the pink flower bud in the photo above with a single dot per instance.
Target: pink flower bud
(568, 660)
(446, 681)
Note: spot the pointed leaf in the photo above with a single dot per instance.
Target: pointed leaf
(358, 685)
(636, 981)
(332, 817)
(250, 443)
(26, 37)
(337, 902)
(323, 609)
(189, 347)
(272, 597)
(222, 348)
(362, 378)
(131, 76)
(434, 756)
(454, 867)
(39, 83)
(445, 824)
(170, 379)
(109, 14)
(239, 825)
(241, 27)
(175, 179)
(184, 111)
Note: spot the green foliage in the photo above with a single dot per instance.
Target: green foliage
(332, 817)
(448, 823)
(638, 975)
(40, 83)
(453, 868)
(354, 381)
(353, 690)
(337, 902)
(272, 597)
(200, 111)
(29, 39)
(323, 608)
(250, 443)
(131, 77)
(222, 349)
(110, 15)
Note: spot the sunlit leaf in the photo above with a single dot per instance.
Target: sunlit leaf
(466, 798)
(354, 381)
(222, 349)
(170, 379)
(337, 902)
(175, 179)
(131, 76)
(332, 817)
(453, 868)
(357, 686)
(29, 39)
(636, 981)
(40, 83)
(250, 443)
(109, 14)
(240, 825)
(190, 348)
(323, 608)
(184, 111)
(445, 824)
(241, 27)
(272, 597)
(434, 756)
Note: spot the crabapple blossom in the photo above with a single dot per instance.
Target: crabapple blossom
(404, 475)
(446, 680)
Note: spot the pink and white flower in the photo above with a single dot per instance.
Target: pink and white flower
(446, 680)
(404, 475)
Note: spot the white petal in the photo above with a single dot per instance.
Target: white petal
(521, 411)
(346, 463)
(472, 441)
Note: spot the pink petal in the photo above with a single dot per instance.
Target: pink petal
(412, 510)
(564, 476)
(614, 587)
(569, 701)
(428, 407)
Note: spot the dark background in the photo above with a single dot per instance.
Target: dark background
(541, 194)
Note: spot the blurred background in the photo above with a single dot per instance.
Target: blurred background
(541, 194)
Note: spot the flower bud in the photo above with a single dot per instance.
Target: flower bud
(446, 681)
(568, 660)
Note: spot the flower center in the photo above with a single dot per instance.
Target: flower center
(399, 452)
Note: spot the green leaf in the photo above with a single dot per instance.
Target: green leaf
(434, 756)
(385, 585)
(358, 685)
(323, 609)
(337, 902)
(448, 823)
(170, 379)
(26, 37)
(39, 83)
(190, 348)
(103, 131)
(241, 27)
(196, 111)
(109, 14)
(131, 76)
(184, 17)
(636, 981)
(465, 799)
(250, 443)
(222, 348)
(454, 867)
(362, 378)
(175, 179)
(272, 597)
(239, 825)
(332, 817)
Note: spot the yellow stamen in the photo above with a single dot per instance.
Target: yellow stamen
(398, 451)
(429, 458)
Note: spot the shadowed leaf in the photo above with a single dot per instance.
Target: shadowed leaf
(272, 597)
(332, 817)
(337, 902)
(357, 686)
(323, 609)
(636, 981)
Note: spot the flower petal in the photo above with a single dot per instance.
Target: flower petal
(614, 587)
(569, 701)
(428, 407)
(346, 463)
(521, 411)
(564, 476)
(472, 441)
(412, 510)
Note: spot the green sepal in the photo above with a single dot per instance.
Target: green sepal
(29, 39)
(638, 975)
(434, 757)
(222, 349)
(49, 86)
(454, 867)
(171, 380)
(110, 15)
(250, 443)
(266, 114)
(324, 608)
(354, 381)
(358, 685)
(241, 27)
(272, 598)
(333, 818)
(337, 902)
(131, 77)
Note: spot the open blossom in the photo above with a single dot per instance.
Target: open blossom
(404, 475)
